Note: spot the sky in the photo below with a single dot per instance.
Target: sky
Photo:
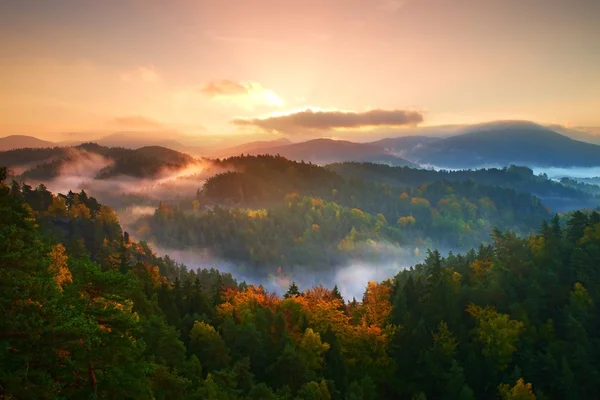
(71, 69)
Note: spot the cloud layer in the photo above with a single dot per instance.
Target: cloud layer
(309, 120)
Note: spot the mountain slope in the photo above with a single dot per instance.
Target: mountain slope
(324, 151)
(89, 158)
(506, 143)
(251, 146)
(22, 142)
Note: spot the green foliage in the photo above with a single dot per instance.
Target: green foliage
(90, 313)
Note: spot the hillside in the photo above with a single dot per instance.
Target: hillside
(324, 151)
(403, 144)
(48, 163)
(245, 148)
(22, 142)
(86, 308)
(506, 143)
(559, 196)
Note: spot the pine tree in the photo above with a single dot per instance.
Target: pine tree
(292, 291)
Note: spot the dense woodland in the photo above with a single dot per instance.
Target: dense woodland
(273, 212)
(49, 163)
(560, 196)
(89, 313)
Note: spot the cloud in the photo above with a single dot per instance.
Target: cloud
(137, 121)
(141, 74)
(244, 94)
(224, 87)
(309, 120)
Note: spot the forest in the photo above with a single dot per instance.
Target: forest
(90, 313)
(271, 212)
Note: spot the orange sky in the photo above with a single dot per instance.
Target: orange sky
(71, 68)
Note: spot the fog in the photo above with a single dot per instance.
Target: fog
(78, 172)
(350, 277)
(573, 172)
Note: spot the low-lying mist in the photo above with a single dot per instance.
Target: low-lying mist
(80, 169)
(350, 277)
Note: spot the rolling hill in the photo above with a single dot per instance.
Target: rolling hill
(107, 162)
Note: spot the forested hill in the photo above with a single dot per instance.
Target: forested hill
(566, 195)
(94, 161)
(271, 212)
(88, 313)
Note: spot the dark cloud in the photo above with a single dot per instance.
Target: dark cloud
(137, 121)
(224, 87)
(309, 120)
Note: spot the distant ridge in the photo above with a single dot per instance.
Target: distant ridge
(22, 141)
(325, 151)
(505, 143)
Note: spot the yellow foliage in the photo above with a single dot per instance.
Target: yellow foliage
(479, 268)
(315, 228)
(591, 235)
(257, 214)
(107, 215)
(404, 196)
(537, 244)
(58, 208)
(497, 333)
(79, 210)
(358, 212)
(521, 391)
(58, 266)
(406, 221)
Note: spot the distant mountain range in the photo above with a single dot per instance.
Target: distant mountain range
(325, 151)
(492, 144)
(505, 143)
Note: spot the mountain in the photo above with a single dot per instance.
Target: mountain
(21, 142)
(577, 133)
(325, 151)
(507, 142)
(403, 144)
(248, 147)
(136, 140)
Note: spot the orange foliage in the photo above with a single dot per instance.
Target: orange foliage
(419, 201)
(58, 266)
(323, 309)
(377, 304)
(244, 301)
(317, 202)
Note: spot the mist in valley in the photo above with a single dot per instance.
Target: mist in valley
(351, 277)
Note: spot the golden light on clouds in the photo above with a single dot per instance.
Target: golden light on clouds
(320, 121)
(247, 95)
(77, 65)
